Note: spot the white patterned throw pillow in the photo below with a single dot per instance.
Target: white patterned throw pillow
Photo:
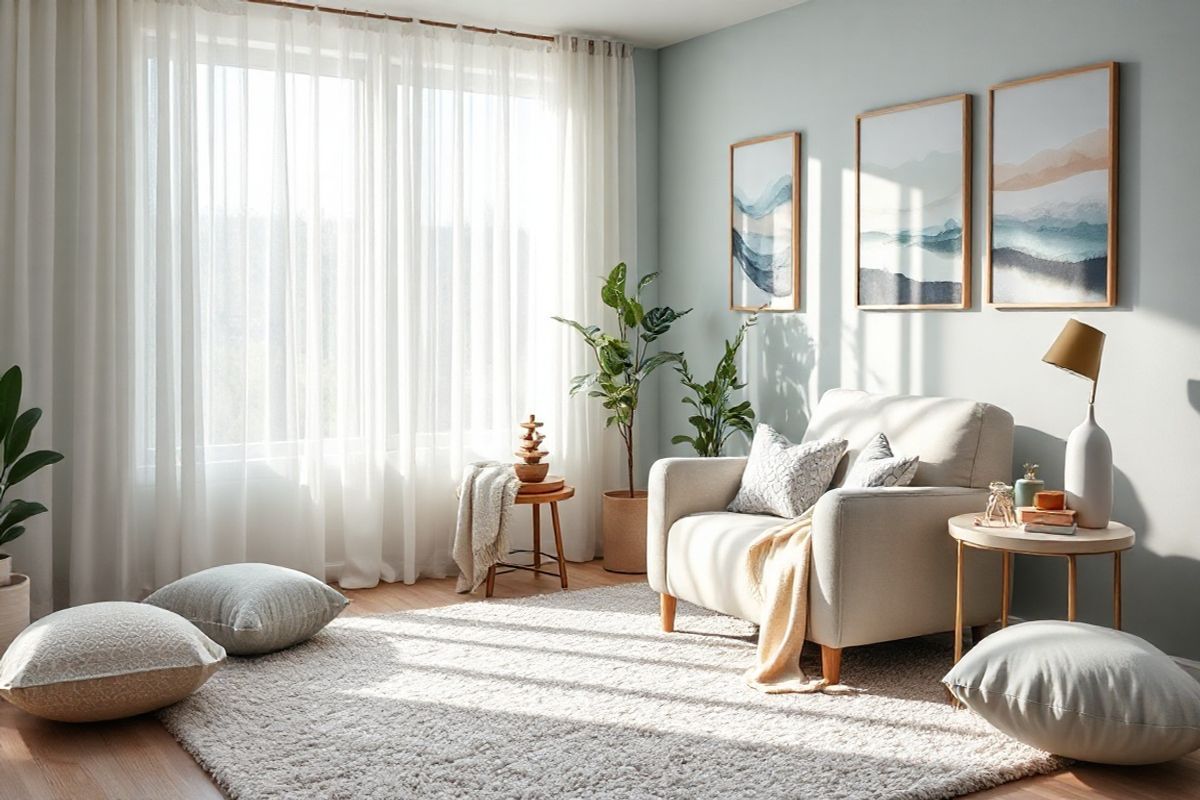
(786, 479)
(876, 466)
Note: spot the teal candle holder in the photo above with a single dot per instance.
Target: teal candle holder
(1025, 488)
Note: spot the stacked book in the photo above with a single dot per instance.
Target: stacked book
(1037, 520)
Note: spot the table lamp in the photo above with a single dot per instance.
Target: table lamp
(1087, 473)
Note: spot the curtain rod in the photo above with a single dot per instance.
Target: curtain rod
(373, 15)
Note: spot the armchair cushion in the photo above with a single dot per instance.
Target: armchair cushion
(707, 557)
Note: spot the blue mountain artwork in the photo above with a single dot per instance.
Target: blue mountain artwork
(770, 272)
(773, 197)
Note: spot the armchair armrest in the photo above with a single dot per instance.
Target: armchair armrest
(883, 565)
(679, 487)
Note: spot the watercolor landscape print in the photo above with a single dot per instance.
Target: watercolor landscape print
(914, 205)
(764, 218)
(1053, 190)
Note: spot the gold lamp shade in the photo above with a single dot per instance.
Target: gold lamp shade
(1078, 349)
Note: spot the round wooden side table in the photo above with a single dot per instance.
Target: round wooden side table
(537, 501)
(1115, 539)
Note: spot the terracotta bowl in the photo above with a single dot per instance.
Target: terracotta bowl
(531, 473)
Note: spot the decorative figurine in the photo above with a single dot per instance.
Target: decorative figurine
(531, 469)
(999, 513)
(1027, 487)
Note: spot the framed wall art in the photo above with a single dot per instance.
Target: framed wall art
(913, 217)
(1052, 190)
(764, 223)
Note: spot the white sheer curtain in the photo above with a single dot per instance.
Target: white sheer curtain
(302, 271)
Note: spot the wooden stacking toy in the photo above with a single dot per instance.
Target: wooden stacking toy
(531, 470)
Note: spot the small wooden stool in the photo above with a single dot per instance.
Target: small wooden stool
(537, 500)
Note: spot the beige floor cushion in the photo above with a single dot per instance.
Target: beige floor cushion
(1081, 691)
(106, 661)
(251, 609)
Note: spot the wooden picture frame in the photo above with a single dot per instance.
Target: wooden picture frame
(931, 159)
(1076, 206)
(753, 244)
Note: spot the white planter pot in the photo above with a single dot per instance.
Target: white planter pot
(14, 609)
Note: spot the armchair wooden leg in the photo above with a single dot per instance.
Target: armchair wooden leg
(831, 664)
(668, 612)
(977, 634)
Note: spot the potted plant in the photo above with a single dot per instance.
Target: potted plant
(715, 420)
(15, 466)
(623, 361)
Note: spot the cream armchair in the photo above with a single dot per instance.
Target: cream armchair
(884, 565)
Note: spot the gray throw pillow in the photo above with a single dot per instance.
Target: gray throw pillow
(877, 466)
(1081, 691)
(785, 479)
(250, 609)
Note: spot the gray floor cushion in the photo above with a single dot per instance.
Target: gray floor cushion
(252, 609)
(1081, 691)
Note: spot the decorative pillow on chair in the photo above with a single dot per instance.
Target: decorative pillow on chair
(785, 479)
(251, 609)
(1081, 691)
(106, 661)
(877, 466)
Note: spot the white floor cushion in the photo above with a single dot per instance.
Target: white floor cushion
(106, 661)
(1081, 691)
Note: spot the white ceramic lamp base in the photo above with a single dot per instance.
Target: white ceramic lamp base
(1088, 473)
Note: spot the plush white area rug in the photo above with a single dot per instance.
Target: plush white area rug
(578, 694)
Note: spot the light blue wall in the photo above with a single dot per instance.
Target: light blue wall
(811, 69)
(645, 66)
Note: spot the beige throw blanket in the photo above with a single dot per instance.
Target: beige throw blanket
(485, 501)
(778, 565)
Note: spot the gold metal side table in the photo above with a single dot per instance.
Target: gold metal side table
(1114, 539)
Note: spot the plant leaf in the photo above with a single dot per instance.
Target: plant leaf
(581, 382)
(633, 313)
(657, 360)
(658, 321)
(681, 439)
(588, 332)
(31, 463)
(613, 291)
(646, 281)
(11, 533)
(10, 399)
(18, 436)
(19, 511)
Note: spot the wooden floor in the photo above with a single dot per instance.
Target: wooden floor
(137, 758)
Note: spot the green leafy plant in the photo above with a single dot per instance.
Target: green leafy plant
(15, 432)
(623, 361)
(715, 419)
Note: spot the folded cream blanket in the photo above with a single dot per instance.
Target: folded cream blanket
(485, 501)
(778, 565)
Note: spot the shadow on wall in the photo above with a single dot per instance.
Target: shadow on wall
(1193, 390)
(1041, 583)
(783, 362)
